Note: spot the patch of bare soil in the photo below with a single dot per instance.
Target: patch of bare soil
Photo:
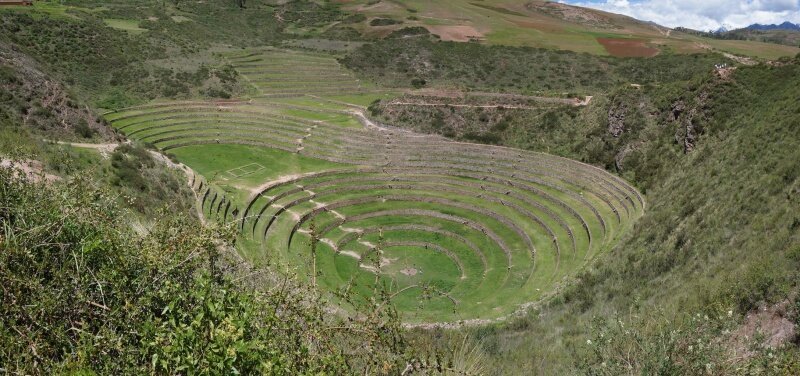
(30, 169)
(573, 14)
(740, 59)
(380, 7)
(771, 326)
(105, 150)
(621, 47)
(409, 272)
(726, 73)
(455, 33)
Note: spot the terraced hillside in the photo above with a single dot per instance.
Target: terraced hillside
(478, 229)
(283, 73)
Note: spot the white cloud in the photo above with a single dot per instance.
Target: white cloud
(701, 14)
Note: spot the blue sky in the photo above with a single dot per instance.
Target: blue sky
(701, 14)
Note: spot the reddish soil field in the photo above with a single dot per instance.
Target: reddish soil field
(627, 47)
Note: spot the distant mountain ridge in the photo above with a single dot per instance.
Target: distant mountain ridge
(784, 26)
(787, 33)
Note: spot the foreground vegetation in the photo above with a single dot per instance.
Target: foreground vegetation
(171, 301)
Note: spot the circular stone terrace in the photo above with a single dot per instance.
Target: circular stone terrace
(454, 231)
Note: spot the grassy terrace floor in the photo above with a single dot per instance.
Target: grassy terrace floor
(282, 73)
(455, 231)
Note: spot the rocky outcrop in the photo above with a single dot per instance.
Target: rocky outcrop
(616, 119)
(676, 110)
(687, 118)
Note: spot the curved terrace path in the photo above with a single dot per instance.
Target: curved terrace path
(472, 232)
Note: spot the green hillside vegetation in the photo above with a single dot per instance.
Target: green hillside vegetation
(468, 66)
(693, 251)
(91, 46)
(339, 187)
(167, 302)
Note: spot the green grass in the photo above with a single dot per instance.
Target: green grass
(332, 118)
(212, 161)
(131, 26)
(487, 290)
(284, 71)
(362, 99)
(180, 19)
(489, 295)
(48, 9)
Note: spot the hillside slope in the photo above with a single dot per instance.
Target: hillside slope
(543, 24)
(722, 234)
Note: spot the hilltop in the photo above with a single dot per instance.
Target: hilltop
(783, 26)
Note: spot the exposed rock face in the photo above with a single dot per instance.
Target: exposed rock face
(687, 118)
(678, 108)
(29, 169)
(616, 119)
(690, 136)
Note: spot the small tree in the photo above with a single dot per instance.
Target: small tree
(240, 3)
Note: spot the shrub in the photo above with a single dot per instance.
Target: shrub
(85, 294)
(82, 129)
(409, 32)
(354, 18)
(384, 22)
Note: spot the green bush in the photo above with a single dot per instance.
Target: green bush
(384, 22)
(82, 129)
(406, 32)
(418, 83)
(84, 294)
(514, 69)
(354, 18)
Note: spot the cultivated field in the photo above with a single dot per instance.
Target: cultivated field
(454, 231)
(544, 24)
